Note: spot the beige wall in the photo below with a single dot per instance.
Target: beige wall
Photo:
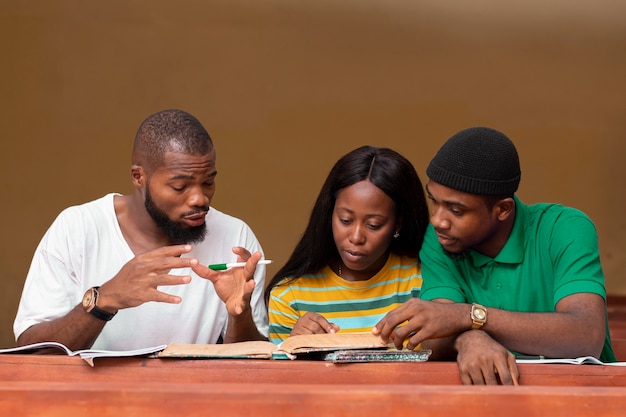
(287, 87)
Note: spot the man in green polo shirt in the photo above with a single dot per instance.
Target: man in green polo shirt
(500, 277)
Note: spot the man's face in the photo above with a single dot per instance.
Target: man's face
(179, 193)
(462, 221)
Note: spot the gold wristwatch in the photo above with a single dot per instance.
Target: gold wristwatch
(89, 304)
(478, 315)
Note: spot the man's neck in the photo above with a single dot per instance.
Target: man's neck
(138, 228)
(496, 242)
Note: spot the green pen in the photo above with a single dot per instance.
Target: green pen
(222, 267)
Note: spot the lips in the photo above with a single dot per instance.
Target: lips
(196, 219)
(445, 240)
(353, 256)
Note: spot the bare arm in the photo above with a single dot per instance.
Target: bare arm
(135, 284)
(76, 330)
(576, 328)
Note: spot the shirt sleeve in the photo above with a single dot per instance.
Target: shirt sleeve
(576, 257)
(51, 287)
(282, 316)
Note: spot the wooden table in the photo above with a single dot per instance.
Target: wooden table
(51, 385)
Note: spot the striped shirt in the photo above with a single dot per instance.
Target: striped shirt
(355, 306)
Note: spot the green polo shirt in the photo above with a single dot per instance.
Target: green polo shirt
(552, 253)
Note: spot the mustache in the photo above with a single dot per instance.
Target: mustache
(196, 211)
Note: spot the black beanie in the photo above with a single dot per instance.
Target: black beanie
(478, 160)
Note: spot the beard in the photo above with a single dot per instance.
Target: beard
(177, 232)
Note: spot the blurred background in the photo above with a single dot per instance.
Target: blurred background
(286, 87)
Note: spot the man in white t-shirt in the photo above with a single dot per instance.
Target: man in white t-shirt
(129, 271)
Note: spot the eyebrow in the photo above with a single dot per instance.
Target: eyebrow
(447, 202)
(191, 177)
(369, 215)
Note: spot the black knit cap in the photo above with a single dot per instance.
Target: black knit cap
(478, 160)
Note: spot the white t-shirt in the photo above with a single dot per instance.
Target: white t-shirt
(84, 247)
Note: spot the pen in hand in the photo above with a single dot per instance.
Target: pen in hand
(222, 267)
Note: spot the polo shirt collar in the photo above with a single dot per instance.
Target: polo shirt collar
(513, 250)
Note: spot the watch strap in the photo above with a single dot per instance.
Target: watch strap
(101, 314)
(96, 311)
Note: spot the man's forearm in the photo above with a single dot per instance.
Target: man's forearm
(76, 330)
(554, 334)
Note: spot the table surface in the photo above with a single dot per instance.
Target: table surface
(59, 385)
(18, 367)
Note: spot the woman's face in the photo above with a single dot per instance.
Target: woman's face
(364, 222)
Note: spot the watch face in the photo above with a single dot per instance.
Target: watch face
(479, 314)
(88, 298)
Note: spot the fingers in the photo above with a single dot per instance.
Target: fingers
(138, 280)
(251, 264)
(414, 341)
(491, 375)
(167, 279)
(388, 324)
(478, 373)
(466, 379)
(164, 259)
(505, 371)
(242, 253)
(247, 271)
(400, 324)
(483, 361)
(235, 285)
(163, 297)
(170, 251)
(313, 323)
(513, 369)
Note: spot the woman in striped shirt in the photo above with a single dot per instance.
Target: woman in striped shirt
(358, 256)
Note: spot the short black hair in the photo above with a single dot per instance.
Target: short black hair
(169, 130)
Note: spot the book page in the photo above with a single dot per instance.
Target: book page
(251, 349)
(96, 353)
(299, 344)
(331, 341)
(87, 354)
(583, 360)
(38, 346)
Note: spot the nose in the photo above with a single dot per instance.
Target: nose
(438, 219)
(356, 236)
(198, 198)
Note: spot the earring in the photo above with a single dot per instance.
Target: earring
(395, 235)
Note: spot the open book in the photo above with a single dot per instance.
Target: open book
(290, 348)
(335, 347)
(583, 360)
(87, 354)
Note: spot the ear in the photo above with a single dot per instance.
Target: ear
(504, 208)
(398, 224)
(137, 176)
